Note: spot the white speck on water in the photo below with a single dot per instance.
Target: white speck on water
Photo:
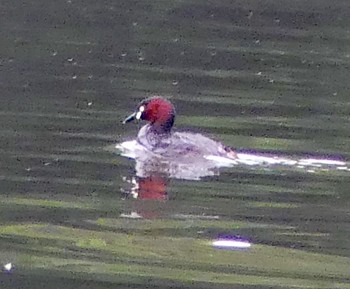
(271, 81)
(54, 53)
(257, 41)
(134, 24)
(70, 59)
(8, 267)
(89, 103)
(123, 54)
(74, 77)
(335, 93)
(250, 15)
(259, 73)
(175, 82)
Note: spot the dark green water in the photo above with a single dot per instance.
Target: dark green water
(263, 75)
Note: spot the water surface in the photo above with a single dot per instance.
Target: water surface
(260, 76)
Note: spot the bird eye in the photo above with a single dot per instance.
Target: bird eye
(139, 113)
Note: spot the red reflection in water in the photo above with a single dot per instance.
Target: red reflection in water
(148, 197)
(152, 188)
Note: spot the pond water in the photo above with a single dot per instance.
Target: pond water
(269, 78)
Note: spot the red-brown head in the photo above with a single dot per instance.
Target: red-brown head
(158, 111)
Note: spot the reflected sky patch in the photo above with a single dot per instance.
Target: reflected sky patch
(231, 243)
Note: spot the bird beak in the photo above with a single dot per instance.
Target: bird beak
(131, 117)
(136, 115)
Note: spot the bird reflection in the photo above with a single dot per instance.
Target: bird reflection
(153, 187)
(148, 195)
